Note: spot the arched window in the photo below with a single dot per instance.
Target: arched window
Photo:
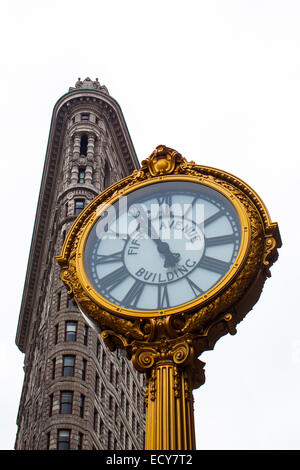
(106, 175)
(83, 145)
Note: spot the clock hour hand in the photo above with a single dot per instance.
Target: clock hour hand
(163, 247)
(170, 258)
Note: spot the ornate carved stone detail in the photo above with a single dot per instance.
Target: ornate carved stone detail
(88, 83)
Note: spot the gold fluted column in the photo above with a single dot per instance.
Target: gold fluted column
(170, 414)
(172, 371)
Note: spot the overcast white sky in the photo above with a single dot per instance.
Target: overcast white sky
(218, 80)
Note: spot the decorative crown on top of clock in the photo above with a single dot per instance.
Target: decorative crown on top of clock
(163, 161)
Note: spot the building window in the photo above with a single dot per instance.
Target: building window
(79, 205)
(66, 401)
(116, 413)
(81, 175)
(102, 396)
(58, 298)
(95, 423)
(128, 379)
(68, 366)
(53, 368)
(101, 429)
(98, 351)
(79, 441)
(111, 372)
(110, 406)
(85, 334)
(48, 441)
(56, 334)
(81, 406)
(85, 117)
(83, 369)
(50, 404)
(97, 381)
(63, 439)
(83, 145)
(106, 175)
(104, 361)
(70, 302)
(71, 331)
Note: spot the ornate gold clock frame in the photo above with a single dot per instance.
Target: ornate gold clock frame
(165, 344)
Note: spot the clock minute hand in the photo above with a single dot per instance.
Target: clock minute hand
(163, 247)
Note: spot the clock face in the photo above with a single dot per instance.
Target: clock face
(162, 245)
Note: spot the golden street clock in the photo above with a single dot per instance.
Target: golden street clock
(163, 247)
(172, 238)
(165, 262)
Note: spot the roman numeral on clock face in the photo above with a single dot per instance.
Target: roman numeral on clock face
(162, 297)
(165, 199)
(222, 240)
(213, 264)
(195, 288)
(213, 217)
(134, 293)
(191, 205)
(117, 256)
(111, 280)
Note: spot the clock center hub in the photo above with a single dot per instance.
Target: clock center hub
(167, 251)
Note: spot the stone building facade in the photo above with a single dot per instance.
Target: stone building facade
(76, 394)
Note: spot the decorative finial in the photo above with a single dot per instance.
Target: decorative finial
(163, 161)
(78, 84)
(88, 83)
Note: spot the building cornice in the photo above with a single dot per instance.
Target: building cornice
(112, 111)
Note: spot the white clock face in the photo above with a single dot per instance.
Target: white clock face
(162, 245)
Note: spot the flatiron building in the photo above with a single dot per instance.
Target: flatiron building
(76, 393)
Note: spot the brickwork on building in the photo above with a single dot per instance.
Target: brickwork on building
(76, 393)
